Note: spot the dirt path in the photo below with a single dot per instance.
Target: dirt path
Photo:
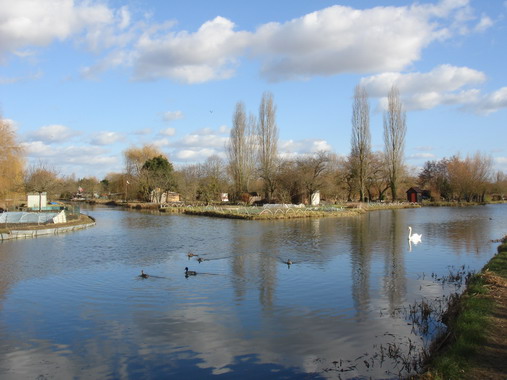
(491, 361)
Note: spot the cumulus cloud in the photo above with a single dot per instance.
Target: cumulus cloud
(38, 23)
(444, 85)
(172, 115)
(53, 134)
(106, 138)
(330, 41)
(208, 54)
(443, 78)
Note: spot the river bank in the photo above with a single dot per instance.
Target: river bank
(475, 346)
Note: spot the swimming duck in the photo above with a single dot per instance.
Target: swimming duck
(143, 275)
(288, 262)
(189, 272)
(190, 254)
(200, 259)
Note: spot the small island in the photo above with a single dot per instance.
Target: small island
(39, 218)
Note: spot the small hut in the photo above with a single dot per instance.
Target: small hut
(414, 195)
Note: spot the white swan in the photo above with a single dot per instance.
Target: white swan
(414, 238)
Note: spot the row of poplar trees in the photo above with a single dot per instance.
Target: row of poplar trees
(252, 148)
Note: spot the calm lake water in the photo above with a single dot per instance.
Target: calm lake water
(73, 305)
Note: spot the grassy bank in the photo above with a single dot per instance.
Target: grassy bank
(461, 354)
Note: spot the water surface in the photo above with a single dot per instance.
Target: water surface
(73, 305)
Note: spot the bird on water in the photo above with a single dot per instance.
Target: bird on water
(414, 238)
(189, 272)
(143, 275)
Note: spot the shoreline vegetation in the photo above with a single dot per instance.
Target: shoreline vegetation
(475, 345)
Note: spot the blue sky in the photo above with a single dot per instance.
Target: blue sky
(81, 81)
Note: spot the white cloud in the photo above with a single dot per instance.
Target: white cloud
(483, 24)
(74, 158)
(330, 41)
(112, 60)
(201, 140)
(341, 39)
(168, 132)
(208, 54)
(160, 143)
(197, 154)
(106, 138)
(292, 147)
(492, 102)
(444, 85)
(172, 115)
(53, 134)
(443, 78)
(199, 145)
(38, 23)
(37, 149)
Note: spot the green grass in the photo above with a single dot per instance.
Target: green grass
(469, 328)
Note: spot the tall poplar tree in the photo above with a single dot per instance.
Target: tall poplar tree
(241, 149)
(395, 129)
(361, 139)
(267, 132)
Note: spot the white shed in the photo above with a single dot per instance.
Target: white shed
(37, 200)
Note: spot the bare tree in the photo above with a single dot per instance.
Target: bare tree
(267, 132)
(135, 159)
(395, 129)
(41, 178)
(212, 180)
(361, 140)
(468, 178)
(11, 160)
(311, 171)
(241, 150)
